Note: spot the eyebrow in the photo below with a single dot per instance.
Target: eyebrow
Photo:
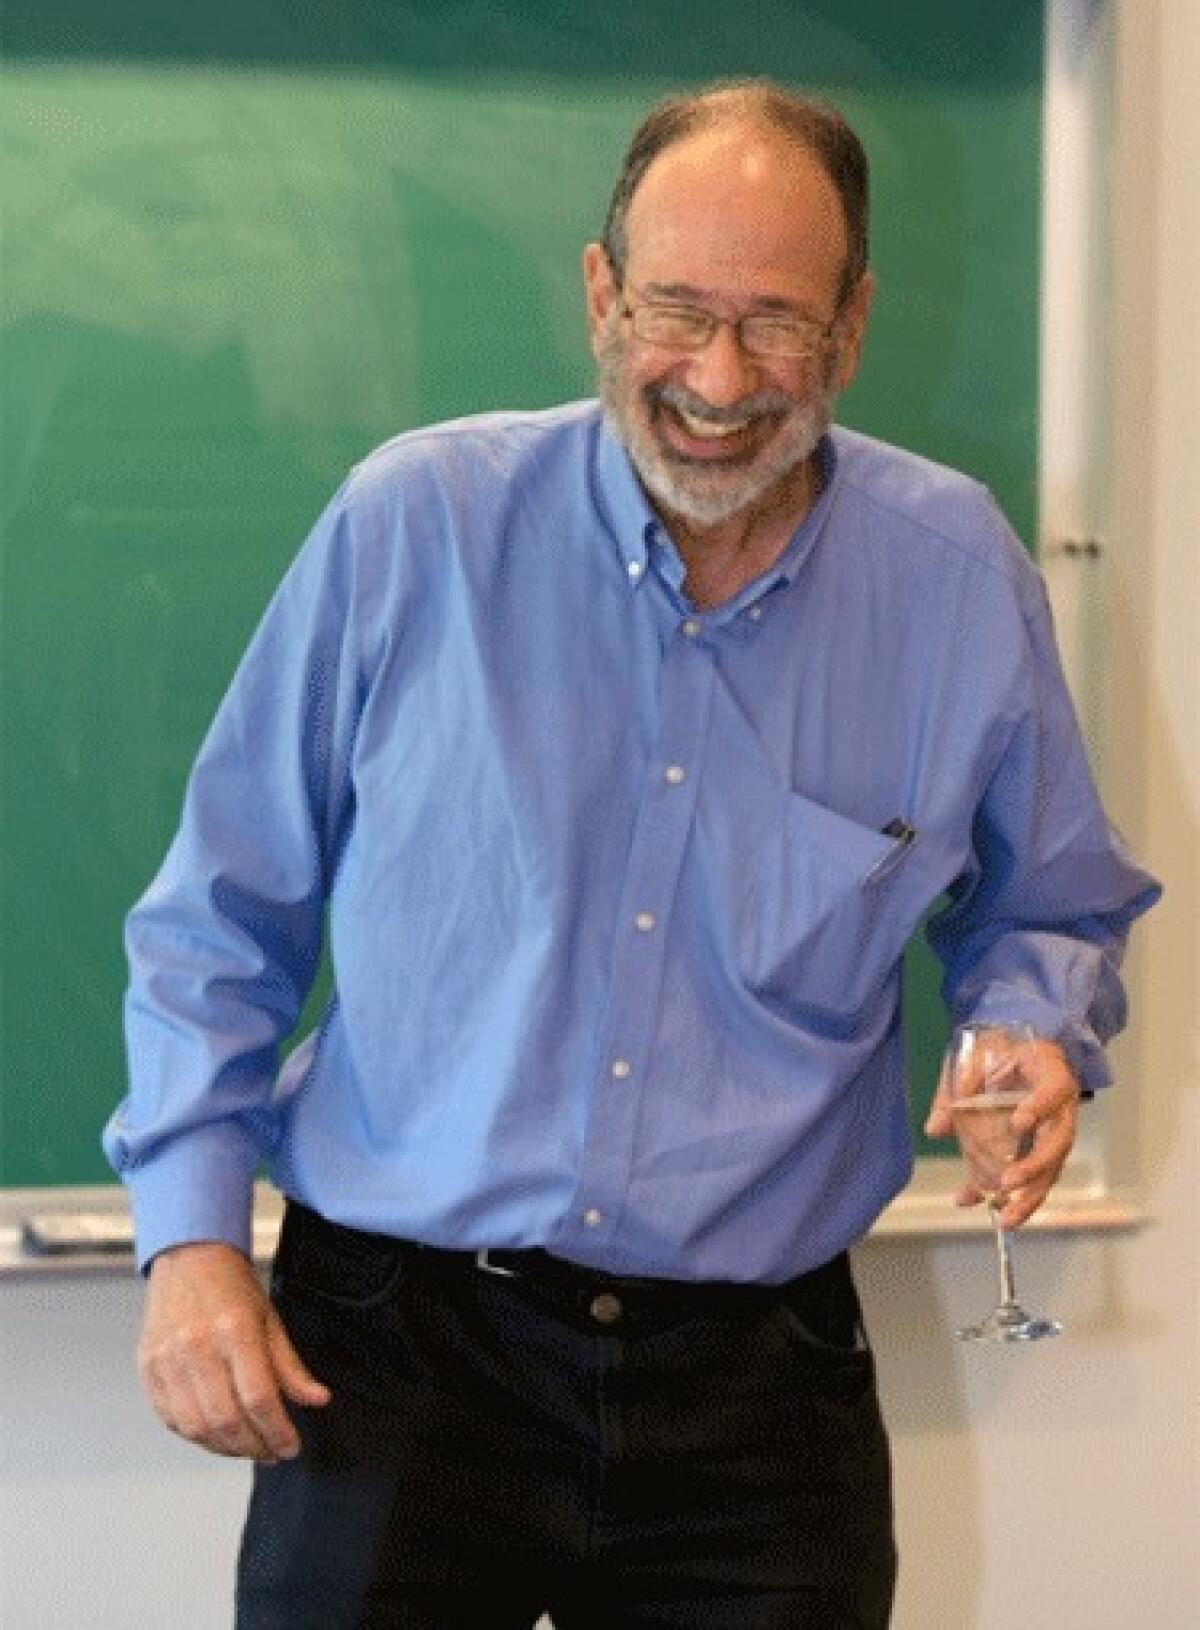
(764, 305)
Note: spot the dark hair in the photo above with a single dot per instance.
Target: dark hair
(819, 129)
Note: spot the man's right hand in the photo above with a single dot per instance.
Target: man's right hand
(215, 1358)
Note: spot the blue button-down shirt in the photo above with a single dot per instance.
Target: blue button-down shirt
(615, 923)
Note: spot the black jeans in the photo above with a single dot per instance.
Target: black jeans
(499, 1447)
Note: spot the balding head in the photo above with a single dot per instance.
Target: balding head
(749, 111)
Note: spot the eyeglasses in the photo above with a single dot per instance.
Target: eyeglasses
(760, 334)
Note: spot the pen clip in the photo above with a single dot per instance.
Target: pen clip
(903, 837)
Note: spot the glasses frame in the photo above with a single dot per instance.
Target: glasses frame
(821, 333)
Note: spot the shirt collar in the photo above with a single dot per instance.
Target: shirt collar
(639, 532)
(624, 504)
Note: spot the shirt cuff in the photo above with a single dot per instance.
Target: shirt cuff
(199, 1187)
(1081, 1046)
(1086, 1057)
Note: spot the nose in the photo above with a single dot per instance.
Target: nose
(722, 372)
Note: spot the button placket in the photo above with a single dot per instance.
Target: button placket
(664, 818)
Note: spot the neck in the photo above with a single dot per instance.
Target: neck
(721, 559)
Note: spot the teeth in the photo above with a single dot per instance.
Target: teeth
(705, 428)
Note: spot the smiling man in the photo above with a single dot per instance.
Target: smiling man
(725, 336)
(626, 744)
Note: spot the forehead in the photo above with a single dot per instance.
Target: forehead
(740, 212)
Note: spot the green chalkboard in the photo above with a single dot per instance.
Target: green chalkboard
(245, 241)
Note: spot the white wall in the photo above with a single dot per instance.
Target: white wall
(1057, 1486)
(1060, 1486)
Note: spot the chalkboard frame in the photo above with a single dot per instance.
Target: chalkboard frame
(933, 1175)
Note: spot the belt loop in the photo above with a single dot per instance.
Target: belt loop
(483, 1261)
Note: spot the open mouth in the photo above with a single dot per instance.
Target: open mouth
(706, 429)
(700, 439)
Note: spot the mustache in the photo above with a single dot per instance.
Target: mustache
(741, 413)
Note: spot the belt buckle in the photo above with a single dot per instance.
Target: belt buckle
(483, 1261)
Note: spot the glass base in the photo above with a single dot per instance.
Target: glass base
(1010, 1324)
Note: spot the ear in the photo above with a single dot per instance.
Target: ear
(851, 327)
(600, 289)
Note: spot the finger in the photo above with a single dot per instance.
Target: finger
(1019, 1202)
(175, 1410)
(226, 1428)
(1041, 1169)
(1045, 1103)
(1022, 1204)
(1027, 1183)
(1051, 1143)
(295, 1378)
(1055, 1086)
(167, 1379)
(968, 1195)
(241, 1444)
(191, 1404)
(255, 1384)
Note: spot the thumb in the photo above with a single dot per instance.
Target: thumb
(296, 1379)
(939, 1123)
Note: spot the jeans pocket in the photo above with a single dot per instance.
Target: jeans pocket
(338, 1266)
(829, 1341)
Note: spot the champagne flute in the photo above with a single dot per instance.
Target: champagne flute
(989, 1069)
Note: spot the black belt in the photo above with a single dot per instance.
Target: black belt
(610, 1298)
(601, 1298)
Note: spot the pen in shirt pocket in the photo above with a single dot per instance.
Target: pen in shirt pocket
(903, 837)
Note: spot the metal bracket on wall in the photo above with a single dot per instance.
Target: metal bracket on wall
(1076, 548)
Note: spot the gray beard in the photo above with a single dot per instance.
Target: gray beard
(703, 496)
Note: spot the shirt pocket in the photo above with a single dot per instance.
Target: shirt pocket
(826, 907)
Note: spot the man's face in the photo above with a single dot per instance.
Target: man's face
(732, 223)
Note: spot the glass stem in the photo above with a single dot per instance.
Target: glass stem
(1008, 1294)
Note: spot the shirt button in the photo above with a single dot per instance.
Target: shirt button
(644, 922)
(634, 569)
(756, 614)
(606, 1308)
(691, 628)
(621, 1068)
(593, 1218)
(675, 774)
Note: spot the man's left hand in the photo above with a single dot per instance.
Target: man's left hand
(1048, 1115)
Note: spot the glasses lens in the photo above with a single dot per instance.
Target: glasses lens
(672, 325)
(780, 337)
